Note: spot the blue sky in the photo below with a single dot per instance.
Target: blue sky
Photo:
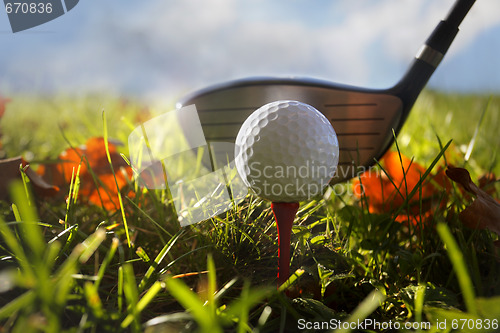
(164, 49)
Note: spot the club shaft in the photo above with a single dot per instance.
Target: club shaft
(430, 55)
(459, 11)
(442, 37)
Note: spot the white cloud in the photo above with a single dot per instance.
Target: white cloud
(169, 47)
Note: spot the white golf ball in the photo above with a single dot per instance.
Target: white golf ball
(286, 151)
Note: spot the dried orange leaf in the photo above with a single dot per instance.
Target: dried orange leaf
(484, 212)
(462, 176)
(9, 171)
(97, 183)
(40, 186)
(386, 192)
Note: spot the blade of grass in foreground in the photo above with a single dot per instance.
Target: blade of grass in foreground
(457, 260)
(17, 304)
(248, 299)
(106, 145)
(142, 303)
(32, 234)
(362, 311)
(212, 284)
(419, 303)
(131, 294)
(17, 249)
(106, 262)
(93, 299)
(191, 302)
(146, 280)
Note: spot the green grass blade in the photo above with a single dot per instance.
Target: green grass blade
(17, 215)
(457, 260)
(93, 299)
(190, 301)
(106, 261)
(159, 258)
(73, 231)
(291, 280)
(63, 277)
(16, 247)
(143, 302)
(244, 307)
(363, 310)
(91, 244)
(25, 181)
(51, 254)
(157, 225)
(120, 288)
(62, 233)
(131, 293)
(419, 303)
(32, 235)
(129, 285)
(224, 289)
(74, 187)
(248, 298)
(142, 254)
(17, 304)
(212, 283)
(106, 146)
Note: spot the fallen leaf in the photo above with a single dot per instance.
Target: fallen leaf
(10, 171)
(487, 183)
(484, 212)
(3, 102)
(385, 192)
(97, 183)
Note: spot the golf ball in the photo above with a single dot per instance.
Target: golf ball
(286, 151)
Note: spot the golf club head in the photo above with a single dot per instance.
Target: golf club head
(365, 120)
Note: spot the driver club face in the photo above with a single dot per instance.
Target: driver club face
(363, 119)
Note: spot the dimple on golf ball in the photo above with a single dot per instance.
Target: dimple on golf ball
(286, 151)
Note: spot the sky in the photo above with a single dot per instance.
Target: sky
(164, 49)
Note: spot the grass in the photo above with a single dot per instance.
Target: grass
(219, 275)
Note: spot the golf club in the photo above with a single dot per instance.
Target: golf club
(363, 118)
